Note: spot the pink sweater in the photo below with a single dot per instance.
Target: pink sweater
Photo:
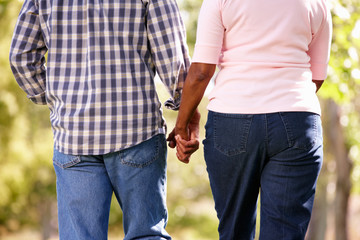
(268, 52)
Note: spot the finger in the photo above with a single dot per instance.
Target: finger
(172, 144)
(182, 158)
(171, 136)
(185, 150)
(179, 146)
(193, 143)
(187, 147)
(181, 152)
(171, 139)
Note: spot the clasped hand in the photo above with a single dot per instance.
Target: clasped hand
(185, 139)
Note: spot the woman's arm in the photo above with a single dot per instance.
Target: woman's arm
(195, 85)
(318, 84)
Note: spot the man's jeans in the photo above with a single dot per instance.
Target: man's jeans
(279, 153)
(136, 175)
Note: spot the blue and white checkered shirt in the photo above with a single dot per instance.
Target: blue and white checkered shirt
(102, 56)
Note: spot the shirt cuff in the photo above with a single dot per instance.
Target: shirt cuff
(174, 102)
(39, 98)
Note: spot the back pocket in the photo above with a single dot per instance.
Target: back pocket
(64, 160)
(303, 129)
(143, 154)
(231, 132)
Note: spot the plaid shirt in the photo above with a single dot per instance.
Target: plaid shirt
(99, 76)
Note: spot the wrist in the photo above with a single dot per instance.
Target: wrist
(180, 128)
(196, 117)
(182, 132)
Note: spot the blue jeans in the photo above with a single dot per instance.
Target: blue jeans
(279, 154)
(136, 175)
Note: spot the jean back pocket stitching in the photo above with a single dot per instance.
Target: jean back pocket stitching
(74, 160)
(289, 134)
(243, 139)
(141, 165)
(292, 141)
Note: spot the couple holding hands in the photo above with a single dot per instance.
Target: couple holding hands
(263, 132)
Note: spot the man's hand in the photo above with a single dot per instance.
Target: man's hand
(171, 139)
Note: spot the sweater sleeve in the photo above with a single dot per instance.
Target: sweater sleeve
(319, 48)
(210, 33)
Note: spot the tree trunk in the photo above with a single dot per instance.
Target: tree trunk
(48, 217)
(337, 146)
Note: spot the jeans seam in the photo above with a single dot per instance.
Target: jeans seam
(74, 160)
(142, 165)
(266, 139)
(246, 138)
(284, 210)
(287, 129)
(315, 129)
(214, 127)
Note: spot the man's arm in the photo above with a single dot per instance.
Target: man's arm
(167, 38)
(27, 53)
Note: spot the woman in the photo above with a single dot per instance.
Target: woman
(264, 128)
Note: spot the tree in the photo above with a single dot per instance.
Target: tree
(27, 182)
(341, 122)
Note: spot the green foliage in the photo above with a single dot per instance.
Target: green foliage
(3, 7)
(27, 180)
(190, 12)
(343, 82)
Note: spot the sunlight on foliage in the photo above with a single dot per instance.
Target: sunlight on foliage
(27, 179)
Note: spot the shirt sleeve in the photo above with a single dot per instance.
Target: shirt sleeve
(27, 54)
(167, 39)
(319, 48)
(210, 33)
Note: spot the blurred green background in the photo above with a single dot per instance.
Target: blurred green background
(27, 181)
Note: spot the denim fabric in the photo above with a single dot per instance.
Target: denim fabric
(136, 175)
(276, 154)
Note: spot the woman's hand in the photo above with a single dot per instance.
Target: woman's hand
(184, 149)
(185, 136)
(185, 139)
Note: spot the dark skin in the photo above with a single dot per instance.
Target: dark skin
(185, 136)
(189, 142)
(318, 84)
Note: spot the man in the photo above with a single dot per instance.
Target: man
(102, 57)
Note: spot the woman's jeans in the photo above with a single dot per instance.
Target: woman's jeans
(136, 175)
(278, 153)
